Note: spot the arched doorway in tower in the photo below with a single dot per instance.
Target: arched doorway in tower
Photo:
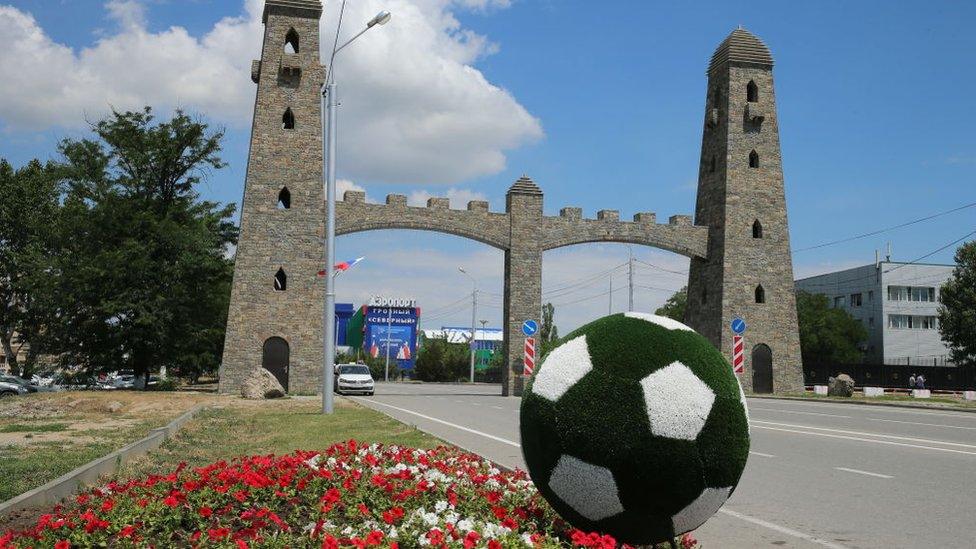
(274, 358)
(762, 369)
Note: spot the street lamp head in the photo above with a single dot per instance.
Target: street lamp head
(381, 18)
(462, 270)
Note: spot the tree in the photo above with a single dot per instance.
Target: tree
(145, 269)
(827, 335)
(29, 220)
(674, 307)
(957, 313)
(548, 332)
(440, 360)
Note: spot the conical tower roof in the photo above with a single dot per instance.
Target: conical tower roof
(524, 185)
(741, 47)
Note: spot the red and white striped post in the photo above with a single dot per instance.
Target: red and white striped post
(737, 354)
(528, 360)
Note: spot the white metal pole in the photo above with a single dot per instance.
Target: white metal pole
(474, 315)
(630, 278)
(389, 323)
(328, 315)
(610, 303)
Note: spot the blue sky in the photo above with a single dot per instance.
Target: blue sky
(875, 105)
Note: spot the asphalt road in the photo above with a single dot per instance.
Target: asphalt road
(819, 474)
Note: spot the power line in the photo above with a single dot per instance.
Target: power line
(586, 281)
(879, 231)
(660, 268)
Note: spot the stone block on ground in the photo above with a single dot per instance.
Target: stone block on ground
(842, 386)
(921, 393)
(820, 390)
(874, 391)
(260, 384)
(969, 395)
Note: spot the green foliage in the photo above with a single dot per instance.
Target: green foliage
(438, 360)
(548, 332)
(144, 270)
(168, 384)
(674, 307)
(29, 224)
(827, 334)
(957, 314)
(603, 419)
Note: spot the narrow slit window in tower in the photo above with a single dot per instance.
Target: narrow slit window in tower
(753, 159)
(288, 120)
(757, 229)
(280, 280)
(284, 199)
(752, 92)
(291, 41)
(760, 294)
(711, 166)
(704, 296)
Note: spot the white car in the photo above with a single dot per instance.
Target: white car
(353, 378)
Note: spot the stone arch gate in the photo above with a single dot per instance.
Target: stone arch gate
(738, 245)
(523, 232)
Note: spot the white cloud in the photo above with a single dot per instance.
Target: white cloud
(414, 107)
(459, 198)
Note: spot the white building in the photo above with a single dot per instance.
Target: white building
(898, 305)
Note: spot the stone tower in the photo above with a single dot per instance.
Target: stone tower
(275, 316)
(748, 271)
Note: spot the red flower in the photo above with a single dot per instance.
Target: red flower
(171, 501)
(205, 512)
(374, 538)
(127, 531)
(471, 539)
(63, 544)
(330, 543)
(363, 509)
(493, 544)
(241, 544)
(107, 505)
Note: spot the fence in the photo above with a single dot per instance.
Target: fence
(894, 376)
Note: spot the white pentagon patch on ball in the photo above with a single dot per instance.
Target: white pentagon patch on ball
(700, 510)
(677, 402)
(562, 368)
(661, 321)
(587, 488)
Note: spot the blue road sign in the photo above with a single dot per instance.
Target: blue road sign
(530, 327)
(738, 326)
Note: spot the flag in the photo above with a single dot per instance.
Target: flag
(344, 265)
(404, 353)
(374, 351)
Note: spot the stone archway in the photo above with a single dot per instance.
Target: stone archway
(274, 358)
(762, 369)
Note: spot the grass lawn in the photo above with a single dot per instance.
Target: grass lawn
(273, 427)
(45, 435)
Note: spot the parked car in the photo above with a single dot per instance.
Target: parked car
(19, 381)
(8, 389)
(353, 378)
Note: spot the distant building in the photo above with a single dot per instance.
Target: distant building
(487, 340)
(898, 305)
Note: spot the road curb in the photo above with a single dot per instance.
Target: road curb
(67, 484)
(867, 403)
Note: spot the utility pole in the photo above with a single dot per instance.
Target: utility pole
(483, 324)
(474, 316)
(630, 278)
(610, 304)
(389, 323)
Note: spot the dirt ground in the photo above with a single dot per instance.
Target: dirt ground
(64, 416)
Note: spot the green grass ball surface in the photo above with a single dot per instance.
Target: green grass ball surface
(636, 426)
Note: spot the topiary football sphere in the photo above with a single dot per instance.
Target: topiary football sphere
(635, 426)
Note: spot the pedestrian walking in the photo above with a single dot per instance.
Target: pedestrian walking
(911, 382)
(920, 381)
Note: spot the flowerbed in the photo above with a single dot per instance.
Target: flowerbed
(350, 495)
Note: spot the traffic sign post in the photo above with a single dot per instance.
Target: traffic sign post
(528, 361)
(738, 344)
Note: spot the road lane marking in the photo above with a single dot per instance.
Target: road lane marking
(860, 472)
(751, 409)
(925, 424)
(498, 407)
(760, 454)
(442, 422)
(863, 434)
(874, 440)
(758, 522)
(877, 408)
(780, 529)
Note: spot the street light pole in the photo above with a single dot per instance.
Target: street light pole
(474, 315)
(389, 324)
(329, 107)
